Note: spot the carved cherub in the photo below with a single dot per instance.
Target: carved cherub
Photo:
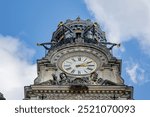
(63, 79)
(94, 76)
(54, 79)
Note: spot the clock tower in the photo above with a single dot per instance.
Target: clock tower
(78, 65)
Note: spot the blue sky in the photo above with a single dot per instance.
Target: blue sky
(23, 23)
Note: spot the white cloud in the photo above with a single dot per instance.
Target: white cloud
(123, 19)
(136, 73)
(15, 69)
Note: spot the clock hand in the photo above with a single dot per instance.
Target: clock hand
(81, 65)
(84, 64)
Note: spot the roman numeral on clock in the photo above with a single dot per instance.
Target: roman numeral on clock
(66, 65)
(90, 69)
(89, 62)
(79, 58)
(68, 68)
(85, 71)
(73, 71)
(73, 59)
(85, 59)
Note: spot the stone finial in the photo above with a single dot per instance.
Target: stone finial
(78, 18)
(60, 24)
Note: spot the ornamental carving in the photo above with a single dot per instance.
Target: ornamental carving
(82, 81)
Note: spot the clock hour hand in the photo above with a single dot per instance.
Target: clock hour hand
(84, 64)
(81, 65)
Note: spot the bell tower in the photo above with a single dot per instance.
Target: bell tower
(78, 65)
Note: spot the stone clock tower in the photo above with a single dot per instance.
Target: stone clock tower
(78, 65)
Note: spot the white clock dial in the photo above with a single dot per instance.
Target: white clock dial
(79, 65)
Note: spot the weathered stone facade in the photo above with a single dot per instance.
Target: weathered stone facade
(79, 65)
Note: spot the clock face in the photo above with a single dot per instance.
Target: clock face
(79, 65)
